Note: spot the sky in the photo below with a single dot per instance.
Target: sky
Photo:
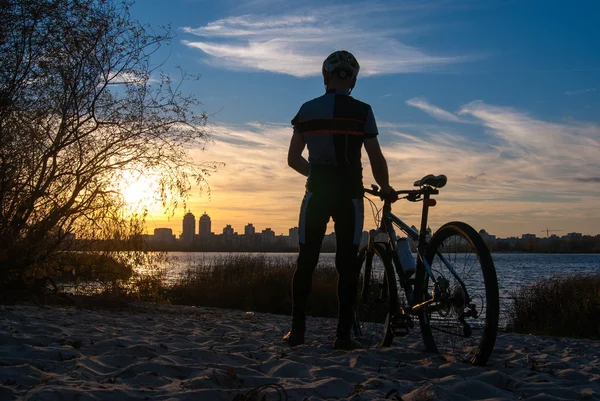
(501, 96)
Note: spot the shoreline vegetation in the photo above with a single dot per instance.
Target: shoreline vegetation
(585, 245)
(561, 306)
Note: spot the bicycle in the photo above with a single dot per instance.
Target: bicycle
(454, 291)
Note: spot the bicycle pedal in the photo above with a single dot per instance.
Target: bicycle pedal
(400, 332)
(400, 329)
(401, 324)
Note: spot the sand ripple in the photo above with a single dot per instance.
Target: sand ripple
(187, 353)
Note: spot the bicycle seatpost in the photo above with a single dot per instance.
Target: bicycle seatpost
(427, 203)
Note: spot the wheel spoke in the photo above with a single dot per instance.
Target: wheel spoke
(376, 299)
(451, 326)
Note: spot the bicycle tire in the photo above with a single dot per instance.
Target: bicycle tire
(441, 329)
(377, 297)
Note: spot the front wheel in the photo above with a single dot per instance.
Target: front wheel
(462, 310)
(377, 298)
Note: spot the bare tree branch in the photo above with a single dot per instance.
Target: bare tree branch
(77, 111)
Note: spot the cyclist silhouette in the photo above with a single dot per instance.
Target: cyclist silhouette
(334, 127)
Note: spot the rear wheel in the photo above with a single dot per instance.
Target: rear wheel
(377, 297)
(463, 321)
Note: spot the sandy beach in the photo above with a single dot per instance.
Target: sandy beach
(191, 353)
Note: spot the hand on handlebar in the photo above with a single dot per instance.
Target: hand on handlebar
(389, 194)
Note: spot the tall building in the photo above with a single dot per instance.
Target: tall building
(228, 235)
(249, 230)
(294, 238)
(228, 230)
(163, 235)
(249, 233)
(329, 241)
(267, 237)
(486, 236)
(189, 229)
(204, 228)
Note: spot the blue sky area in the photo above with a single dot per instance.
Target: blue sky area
(502, 96)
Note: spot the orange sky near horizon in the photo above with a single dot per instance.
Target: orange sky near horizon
(513, 197)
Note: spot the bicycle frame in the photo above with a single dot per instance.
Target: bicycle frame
(450, 319)
(388, 219)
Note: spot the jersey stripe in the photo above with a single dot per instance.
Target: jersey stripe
(338, 131)
(331, 124)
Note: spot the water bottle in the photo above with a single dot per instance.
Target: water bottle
(405, 255)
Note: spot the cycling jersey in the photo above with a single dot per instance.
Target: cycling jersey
(334, 127)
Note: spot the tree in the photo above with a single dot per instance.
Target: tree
(79, 108)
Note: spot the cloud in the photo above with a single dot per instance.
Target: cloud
(295, 43)
(475, 177)
(434, 111)
(130, 78)
(565, 149)
(529, 155)
(579, 92)
(595, 180)
(511, 174)
(256, 185)
(545, 180)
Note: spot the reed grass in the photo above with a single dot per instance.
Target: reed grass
(562, 306)
(566, 306)
(253, 283)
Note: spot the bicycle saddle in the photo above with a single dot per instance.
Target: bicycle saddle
(436, 181)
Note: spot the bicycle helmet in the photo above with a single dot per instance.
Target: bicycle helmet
(342, 63)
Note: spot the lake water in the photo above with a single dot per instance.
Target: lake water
(514, 270)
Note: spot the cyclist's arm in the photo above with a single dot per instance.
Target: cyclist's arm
(378, 164)
(295, 158)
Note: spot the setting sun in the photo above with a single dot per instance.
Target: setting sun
(138, 190)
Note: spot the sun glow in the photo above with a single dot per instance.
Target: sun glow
(138, 191)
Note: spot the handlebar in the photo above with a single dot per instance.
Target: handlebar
(412, 195)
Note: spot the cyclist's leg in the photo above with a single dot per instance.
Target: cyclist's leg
(348, 217)
(312, 225)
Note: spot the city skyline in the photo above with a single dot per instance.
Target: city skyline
(251, 240)
(501, 96)
(251, 229)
